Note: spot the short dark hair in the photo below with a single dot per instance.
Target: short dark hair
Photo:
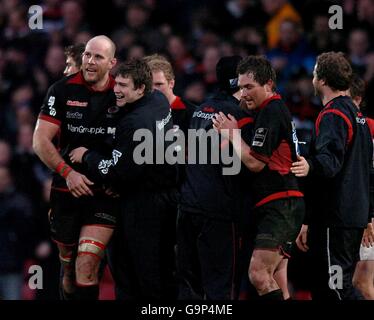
(260, 67)
(139, 72)
(75, 52)
(357, 88)
(335, 70)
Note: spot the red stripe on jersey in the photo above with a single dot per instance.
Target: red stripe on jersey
(259, 156)
(266, 102)
(340, 114)
(178, 104)
(79, 79)
(244, 121)
(370, 123)
(280, 195)
(281, 159)
(49, 119)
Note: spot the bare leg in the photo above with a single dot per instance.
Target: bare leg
(363, 278)
(280, 276)
(90, 253)
(261, 270)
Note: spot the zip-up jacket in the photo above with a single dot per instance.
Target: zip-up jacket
(138, 157)
(340, 163)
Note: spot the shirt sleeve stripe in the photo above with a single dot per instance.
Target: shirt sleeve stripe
(49, 119)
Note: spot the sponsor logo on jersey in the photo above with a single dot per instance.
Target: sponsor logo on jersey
(51, 102)
(360, 120)
(208, 109)
(104, 165)
(73, 115)
(161, 124)
(74, 103)
(260, 137)
(113, 109)
(203, 115)
(82, 129)
(111, 130)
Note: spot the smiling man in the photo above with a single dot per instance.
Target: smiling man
(143, 253)
(279, 206)
(76, 112)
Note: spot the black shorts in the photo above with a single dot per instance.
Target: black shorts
(68, 214)
(277, 224)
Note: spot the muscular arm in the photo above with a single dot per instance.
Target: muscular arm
(244, 151)
(228, 127)
(42, 143)
(45, 131)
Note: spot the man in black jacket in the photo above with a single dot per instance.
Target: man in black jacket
(340, 164)
(212, 203)
(138, 172)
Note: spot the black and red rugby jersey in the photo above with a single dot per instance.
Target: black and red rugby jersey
(86, 117)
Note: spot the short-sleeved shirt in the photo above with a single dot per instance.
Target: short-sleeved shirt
(275, 143)
(85, 117)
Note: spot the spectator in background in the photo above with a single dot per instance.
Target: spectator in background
(28, 171)
(5, 153)
(54, 63)
(362, 59)
(291, 55)
(279, 10)
(15, 237)
(73, 18)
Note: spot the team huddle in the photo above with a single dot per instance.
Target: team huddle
(187, 230)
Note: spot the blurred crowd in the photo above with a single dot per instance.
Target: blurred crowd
(194, 35)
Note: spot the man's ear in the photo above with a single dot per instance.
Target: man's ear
(172, 83)
(269, 86)
(113, 62)
(141, 90)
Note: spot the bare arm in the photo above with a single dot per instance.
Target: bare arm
(45, 131)
(228, 127)
(42, 143)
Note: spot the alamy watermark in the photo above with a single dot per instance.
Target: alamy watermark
(171, 147)
(336, 277)
(35, 17)
(336, 20)
(36, 278)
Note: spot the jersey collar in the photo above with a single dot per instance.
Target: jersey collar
(266, 102)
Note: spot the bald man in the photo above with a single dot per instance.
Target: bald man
(79, 110)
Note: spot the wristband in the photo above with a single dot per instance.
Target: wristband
(63, 169)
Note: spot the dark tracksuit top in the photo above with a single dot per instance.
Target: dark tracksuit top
(213, 209)
(340, 165)
(152, 113)
(370, 123)
(206, 190)
(182, 111)
(143, 253)
(86, 118)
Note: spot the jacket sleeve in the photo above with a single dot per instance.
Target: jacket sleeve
(121, 166)
(330, 146)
